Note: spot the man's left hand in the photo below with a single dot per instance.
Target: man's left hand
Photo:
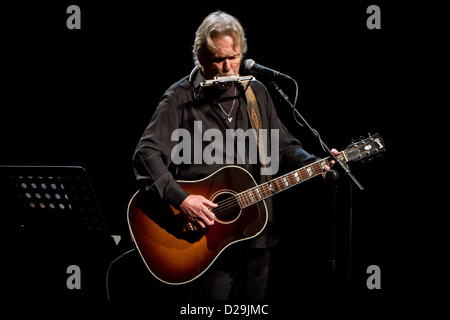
(326, 168)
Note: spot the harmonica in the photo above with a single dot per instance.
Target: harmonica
(224, 80)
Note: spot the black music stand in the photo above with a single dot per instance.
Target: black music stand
(50, 220)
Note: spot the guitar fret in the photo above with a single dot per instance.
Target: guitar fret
(303, 175)
(276, 186)
(252, 197)
(258, 194)
(263, 191)
(269, 188)
(266, 191)
(240, 199)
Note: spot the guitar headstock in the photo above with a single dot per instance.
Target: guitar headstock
(365, 148)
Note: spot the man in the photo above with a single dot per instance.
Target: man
(241, 271)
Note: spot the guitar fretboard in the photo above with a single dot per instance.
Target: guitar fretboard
(356, 151)
(269, 188)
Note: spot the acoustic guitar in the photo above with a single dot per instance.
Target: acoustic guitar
(176, 252)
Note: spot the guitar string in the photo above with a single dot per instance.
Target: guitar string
(232, 202)
(280, 182)
(280, 185)
(249, 196)
(226, 204)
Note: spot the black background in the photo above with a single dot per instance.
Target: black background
(84, 97)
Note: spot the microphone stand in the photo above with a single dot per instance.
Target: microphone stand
(314, 132)
(332, 177)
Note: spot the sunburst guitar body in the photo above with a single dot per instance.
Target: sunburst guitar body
(173, 249)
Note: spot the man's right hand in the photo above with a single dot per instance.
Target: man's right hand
(197, 209)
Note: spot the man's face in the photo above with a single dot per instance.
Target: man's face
(225, 61)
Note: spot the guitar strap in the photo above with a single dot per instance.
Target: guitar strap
(255, 120)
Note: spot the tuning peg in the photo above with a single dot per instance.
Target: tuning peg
(361, 138)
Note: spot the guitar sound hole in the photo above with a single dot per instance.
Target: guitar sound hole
(228, 209)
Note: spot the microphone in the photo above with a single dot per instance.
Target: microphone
(252, 67)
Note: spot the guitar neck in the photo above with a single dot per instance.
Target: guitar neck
(274, 186)
(354, 152)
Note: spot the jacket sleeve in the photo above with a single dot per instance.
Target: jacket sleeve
(152, 157)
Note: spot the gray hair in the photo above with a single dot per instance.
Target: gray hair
(217, 23)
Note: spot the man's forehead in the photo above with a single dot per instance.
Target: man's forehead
(227, 53)
(225, 46)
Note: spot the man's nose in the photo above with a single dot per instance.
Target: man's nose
(226, 67)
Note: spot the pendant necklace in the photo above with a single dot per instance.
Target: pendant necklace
(232, 106)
